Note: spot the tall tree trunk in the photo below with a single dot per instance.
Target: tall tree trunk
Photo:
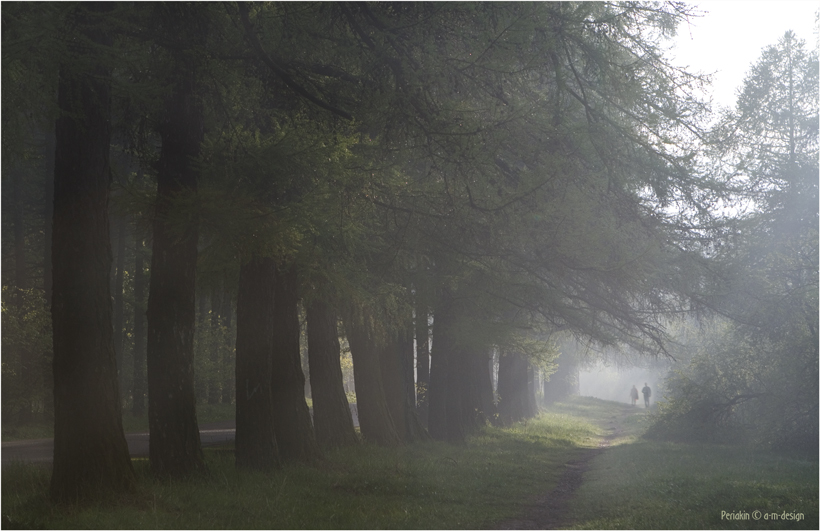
(24, 412)
(255, 317)
(393, 384)
(512, 387)
(331, 411)
(214, 347)
(422, 358)
(226, 318)
(291, 416)
(138, 381)
(532, 406)
(175, 448)
(47, 354)
(201, 376)
(439, 363)
(119, 280)
(375, 421)
(90, 452)
(482, 366)
(407, 356)
(457, 404)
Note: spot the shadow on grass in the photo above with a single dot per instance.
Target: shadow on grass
(420, 486)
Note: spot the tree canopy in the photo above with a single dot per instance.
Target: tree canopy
(498, 176)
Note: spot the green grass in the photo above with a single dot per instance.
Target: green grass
(421, 486)
(635, 484)
(652, 485)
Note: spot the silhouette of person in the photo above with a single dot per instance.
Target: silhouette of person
(647, 392)
(634, 395)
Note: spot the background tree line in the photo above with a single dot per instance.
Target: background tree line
(431, 183)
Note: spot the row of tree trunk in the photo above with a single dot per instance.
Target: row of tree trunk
(273, 420)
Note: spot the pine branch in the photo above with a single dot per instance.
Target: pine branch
(250, 33)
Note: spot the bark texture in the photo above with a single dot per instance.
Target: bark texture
(138, 389)
(119, 307)
(90, 452)
(439, 362)
(512, 387)
(226, 317)
(25, 357)
(375, 421)
(175, 448)
(422, 359)
(255, 436)
(331, 411)
(214, 391)
(291, 416)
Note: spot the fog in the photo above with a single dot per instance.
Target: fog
(611, 383)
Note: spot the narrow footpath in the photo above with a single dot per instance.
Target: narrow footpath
(551, 511)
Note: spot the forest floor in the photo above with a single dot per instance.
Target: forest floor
(581, 464)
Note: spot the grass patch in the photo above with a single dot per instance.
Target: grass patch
(662, 485)
(421, 486)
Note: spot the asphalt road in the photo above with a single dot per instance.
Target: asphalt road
(42, 450)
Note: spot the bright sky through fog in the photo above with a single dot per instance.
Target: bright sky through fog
(731, 36)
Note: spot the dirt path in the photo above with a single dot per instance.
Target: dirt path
(551, 511)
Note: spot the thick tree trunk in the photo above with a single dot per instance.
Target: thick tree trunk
(255, 436)
(396, 379)
(422, 359)
(484, 386)
(532, 406)
(201, 376)
(138, 381)
(458, 404)
(174, 434)
(119, 280)
(214, 349)
(90, 452)
(331, 411)
(375, 421)
(24, 412)
(47, 358)
(390, 366)
(228, 359)
(439, 366)
(291, 416)
(512, 387)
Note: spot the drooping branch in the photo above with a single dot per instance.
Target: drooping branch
(250, 33)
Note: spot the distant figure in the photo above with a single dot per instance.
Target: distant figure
(647, 392)
(634, 394)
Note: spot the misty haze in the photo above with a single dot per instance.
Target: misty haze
(410, 265)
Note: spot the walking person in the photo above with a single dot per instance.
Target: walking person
(647, 392)
(634, 395)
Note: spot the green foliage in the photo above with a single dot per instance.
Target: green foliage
(741, 388)
(755, 377)
(26, 341)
